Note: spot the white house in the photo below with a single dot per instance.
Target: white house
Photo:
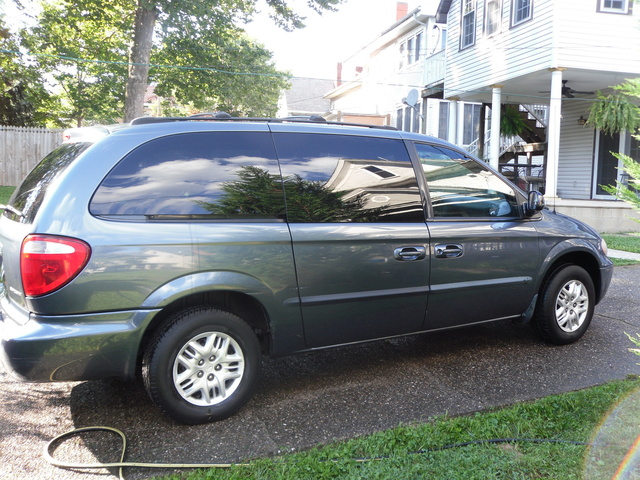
(555, 53)
(544, 58)
(384, 82)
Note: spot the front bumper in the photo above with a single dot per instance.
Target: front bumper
(73, 347)
(606, 274)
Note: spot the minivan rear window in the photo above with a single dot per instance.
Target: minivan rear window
(26, 200)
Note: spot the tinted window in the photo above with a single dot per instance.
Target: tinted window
(27, 198)
(215, 175)
(462, 187)
(340, 178)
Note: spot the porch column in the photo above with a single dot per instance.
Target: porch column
(460, 124)
(553, 132)
(494, 150)
(452, 129)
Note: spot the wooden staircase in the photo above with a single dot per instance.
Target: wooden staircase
(525, 162)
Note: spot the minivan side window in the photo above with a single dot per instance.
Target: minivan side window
(27, 198)
(462, 187)
(347, 178)
(213, 175)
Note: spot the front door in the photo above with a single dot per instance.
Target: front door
(483, 253)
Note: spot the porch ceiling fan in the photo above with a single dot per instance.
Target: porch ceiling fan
(570, 92)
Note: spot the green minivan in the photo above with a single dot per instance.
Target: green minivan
(181, 250)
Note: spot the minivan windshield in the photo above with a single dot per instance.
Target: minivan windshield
(26, 200)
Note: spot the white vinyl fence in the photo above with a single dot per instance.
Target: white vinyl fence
(21, 148)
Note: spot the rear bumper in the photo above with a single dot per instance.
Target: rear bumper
(70, 348)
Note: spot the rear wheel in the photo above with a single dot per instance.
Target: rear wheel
(565, 306)
(203, 366)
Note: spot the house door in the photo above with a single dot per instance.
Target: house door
(606, 171)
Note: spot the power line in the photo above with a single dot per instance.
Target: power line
(150, 65)
(452, 92)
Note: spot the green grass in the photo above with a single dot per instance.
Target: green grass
(5, 194)
(629, 242)
(570, 417)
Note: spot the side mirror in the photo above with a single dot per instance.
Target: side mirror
(535, 203)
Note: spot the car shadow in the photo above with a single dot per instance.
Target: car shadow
(301, 400)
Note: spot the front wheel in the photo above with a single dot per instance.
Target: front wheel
(565, 306)
(202, 366)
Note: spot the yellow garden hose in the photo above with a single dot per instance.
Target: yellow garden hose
(121, 464)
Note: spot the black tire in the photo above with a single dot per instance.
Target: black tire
(202, 366)
(565, 305)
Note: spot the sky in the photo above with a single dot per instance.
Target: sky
(328, 39)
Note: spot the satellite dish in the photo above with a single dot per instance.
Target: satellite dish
(412, 98)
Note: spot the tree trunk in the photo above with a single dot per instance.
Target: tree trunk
(139, 58)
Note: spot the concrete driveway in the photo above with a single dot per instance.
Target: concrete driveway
(314, 398)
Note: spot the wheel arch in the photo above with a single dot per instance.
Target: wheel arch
(582, 257)
(236, 297)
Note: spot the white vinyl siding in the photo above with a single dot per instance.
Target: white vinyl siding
(500, 57)
(553, 38)
(594, 43)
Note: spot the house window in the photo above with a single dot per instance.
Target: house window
(443, 120)
(613, 6)
(521, 11)
(493, 17)
(418, 47)
(468, 28)
(471, 126)
(441, 41)
(410, 50)
(408, 118)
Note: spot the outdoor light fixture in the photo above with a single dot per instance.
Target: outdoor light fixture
(582, 121)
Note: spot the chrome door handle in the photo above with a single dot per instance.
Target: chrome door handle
(405, 254)
(450, 250)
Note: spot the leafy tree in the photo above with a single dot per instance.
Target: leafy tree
(22, 88)
(190, 18)
(221, 84)
(97, 55)
(83, 48)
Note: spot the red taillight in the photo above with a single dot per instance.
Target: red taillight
(48, 262)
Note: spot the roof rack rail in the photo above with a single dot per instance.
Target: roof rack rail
(224, 116)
